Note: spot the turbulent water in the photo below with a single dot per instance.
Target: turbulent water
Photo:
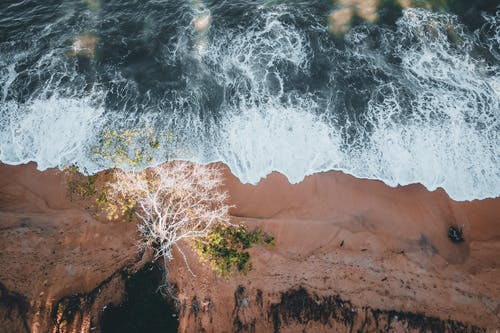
(259, 85)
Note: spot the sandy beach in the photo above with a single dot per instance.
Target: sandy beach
(350, 255)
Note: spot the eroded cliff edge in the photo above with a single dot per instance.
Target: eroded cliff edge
(350, 255)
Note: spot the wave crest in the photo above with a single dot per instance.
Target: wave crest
(414, 103)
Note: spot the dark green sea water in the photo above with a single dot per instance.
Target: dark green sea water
(410, 96)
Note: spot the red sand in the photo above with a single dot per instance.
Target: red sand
(375, 246)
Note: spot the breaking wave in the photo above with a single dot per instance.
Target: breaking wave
(262, 87)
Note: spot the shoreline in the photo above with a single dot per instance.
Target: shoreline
(372, 245)
(228, 169)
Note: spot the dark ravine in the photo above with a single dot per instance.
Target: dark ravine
(13, 310)
(144, 308)
(403, 96)
(74, 310)
(298, 308)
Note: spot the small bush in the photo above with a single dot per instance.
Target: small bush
(80, 185)
(225, 247)
(127, 147)
(83, 187)
(116, 148)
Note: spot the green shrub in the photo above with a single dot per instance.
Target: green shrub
(83, 187)
(127, 147)
(225, 247)
(80, 185)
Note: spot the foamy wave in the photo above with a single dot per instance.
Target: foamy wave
(431, 117)
(53, 132)
(445, 134)
(451, 137)
(276, 138)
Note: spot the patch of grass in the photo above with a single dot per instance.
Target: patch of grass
(225, 247)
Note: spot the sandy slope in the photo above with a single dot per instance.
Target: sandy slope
(359, 248)
(51, 247)
(386, 248)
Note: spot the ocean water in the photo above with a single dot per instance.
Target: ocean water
(410, 97)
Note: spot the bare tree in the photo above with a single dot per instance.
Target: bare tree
(173, 201)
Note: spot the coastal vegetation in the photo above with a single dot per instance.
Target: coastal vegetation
(127, 148)
(225, 247)
(174, 204)
(80, 186)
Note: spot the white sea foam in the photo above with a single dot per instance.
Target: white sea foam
(277, 138)
(54, 132)
(444, 134)
(450, 139)
(247, 59)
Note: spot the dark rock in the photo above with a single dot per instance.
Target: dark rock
(456, 234)
(299, 307)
